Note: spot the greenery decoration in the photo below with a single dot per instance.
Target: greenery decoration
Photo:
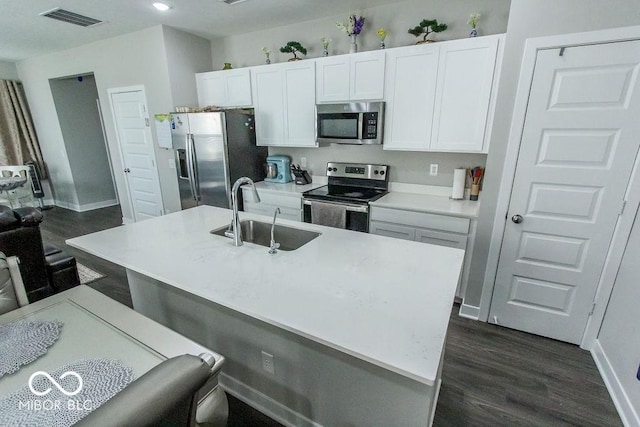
(426, 27)
(473, 19)
(293, 47)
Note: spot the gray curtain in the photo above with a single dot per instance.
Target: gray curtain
(18, 140)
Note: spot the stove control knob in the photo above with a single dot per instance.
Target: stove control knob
(381, 172)
(335, 169)
(329, 169)
(375, 172)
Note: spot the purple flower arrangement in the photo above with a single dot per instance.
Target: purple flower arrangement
(353, 26)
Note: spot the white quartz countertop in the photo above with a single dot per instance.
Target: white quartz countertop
(386, 301)
(290, 187)
(428, 203)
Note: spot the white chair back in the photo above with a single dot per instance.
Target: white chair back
(12, 292)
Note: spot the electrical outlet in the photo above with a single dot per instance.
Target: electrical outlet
(433, 171)
(267, 363)
(303, 162)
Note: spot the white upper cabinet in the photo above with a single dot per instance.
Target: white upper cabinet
(284, 102)
(353, 77)
(463, 95)
(411, 88)
(227, 88)
(268, 102)
(440, 97)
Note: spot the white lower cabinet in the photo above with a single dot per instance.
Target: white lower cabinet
(290, 204)
(436, 229)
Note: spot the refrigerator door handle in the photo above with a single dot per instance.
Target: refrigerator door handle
(194, 168)
(190, 166)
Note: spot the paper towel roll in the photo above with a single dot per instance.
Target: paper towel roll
(459, 177)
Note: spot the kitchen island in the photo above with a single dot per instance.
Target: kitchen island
(349, 329)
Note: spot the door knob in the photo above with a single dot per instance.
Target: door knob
(517, 218)
(127, 170)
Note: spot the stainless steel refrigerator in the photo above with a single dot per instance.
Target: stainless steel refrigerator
(212, 151)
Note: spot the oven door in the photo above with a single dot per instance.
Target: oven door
(357, 216)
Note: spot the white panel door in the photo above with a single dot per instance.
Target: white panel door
(411, 87)
(299, 83)
(138, 157)
(465, 78)
(269, 103)
(211, 89)
(333, 79)
(238, 87)
(367, 76)
(578, 147)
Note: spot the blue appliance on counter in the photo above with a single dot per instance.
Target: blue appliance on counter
(279, 169)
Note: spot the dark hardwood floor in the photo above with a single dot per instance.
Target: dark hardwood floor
(492, 376)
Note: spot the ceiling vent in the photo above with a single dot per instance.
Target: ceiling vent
(70, 17)
(231, 2)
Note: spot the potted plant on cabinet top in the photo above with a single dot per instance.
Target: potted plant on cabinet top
(426, 27)
(293, 47)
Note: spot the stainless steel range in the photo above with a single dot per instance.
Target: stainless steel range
(344, 202)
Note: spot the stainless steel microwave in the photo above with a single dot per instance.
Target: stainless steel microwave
(350, 123)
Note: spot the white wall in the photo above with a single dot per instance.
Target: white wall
(531, 19)
(246, 49)
(186, 55)
(8, 71)
(405, 167)
(619, 337)
(133, 59)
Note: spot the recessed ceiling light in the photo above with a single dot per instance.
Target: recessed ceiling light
(162, 6)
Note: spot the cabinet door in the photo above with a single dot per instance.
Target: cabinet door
(411, 87)
(333, 79)
(392, 230)
(238, 87)
(268, 97)
(367, 76)
(465, 79)
(211, 89)
(299, 84)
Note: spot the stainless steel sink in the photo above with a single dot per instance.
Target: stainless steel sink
(259, 233)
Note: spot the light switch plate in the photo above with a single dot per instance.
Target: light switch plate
(433, 170)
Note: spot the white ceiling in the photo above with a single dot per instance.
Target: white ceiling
(24, 33)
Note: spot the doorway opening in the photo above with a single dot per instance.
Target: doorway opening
(78, 108)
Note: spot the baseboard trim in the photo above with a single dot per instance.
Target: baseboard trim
(469, 311)
(264, 403)
(620, 399)
(86, 207)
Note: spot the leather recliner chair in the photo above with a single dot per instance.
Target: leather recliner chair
(20, 236)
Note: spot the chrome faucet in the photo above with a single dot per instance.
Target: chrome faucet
(235, 231)
(273, 246)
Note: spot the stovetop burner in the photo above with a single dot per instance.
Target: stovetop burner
(352, 183)
(345, 193)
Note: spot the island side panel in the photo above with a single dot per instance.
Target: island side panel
(312, 385)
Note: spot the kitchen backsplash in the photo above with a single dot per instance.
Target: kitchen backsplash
(407, 167)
